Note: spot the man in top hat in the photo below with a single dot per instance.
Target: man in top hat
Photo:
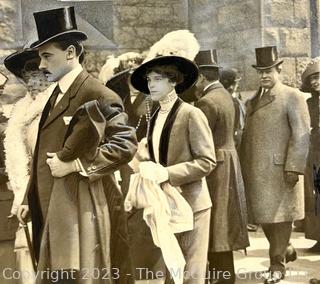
(72, 235)
(274, 150)
(228, 228)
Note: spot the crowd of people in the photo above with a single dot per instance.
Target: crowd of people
(156, 174)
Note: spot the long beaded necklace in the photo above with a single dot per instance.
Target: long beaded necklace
(147, 115)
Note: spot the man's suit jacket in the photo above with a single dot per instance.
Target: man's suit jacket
(51, 135)
(275, 140)
(186, 149)
(228, 229)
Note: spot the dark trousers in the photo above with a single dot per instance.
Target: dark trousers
(221, 267)
(278, 235)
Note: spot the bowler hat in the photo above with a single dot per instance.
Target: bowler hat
(266, 57)
(16, 61)
(207, 58)
(188, 69)
(55, 25)
(312, 68)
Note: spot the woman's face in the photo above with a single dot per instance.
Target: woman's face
(315, 82)
(35, 80)
(159, 86)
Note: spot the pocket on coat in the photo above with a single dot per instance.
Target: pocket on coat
(278, 159)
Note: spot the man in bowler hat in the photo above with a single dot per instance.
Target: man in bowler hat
(72, 235)
(228, 226)
(274, 151)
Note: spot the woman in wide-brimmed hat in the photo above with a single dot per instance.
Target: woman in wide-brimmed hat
(179, 151)
(21, 133)
(311, 84)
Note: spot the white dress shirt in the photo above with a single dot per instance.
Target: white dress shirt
(66, 81)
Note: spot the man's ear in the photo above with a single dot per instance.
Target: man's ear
(71, 52)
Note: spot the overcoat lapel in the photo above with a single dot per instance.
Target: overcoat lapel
(165, 135)
(258, 103)
(63, 104)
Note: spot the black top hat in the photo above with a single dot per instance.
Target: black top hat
(56, 24)
(267, 57)
(207, 58)
(186, 67)
(119, 84)
(16, 61)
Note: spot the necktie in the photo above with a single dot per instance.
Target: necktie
(263, 92)
(53, 98)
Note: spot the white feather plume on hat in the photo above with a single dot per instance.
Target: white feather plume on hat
(179, 43)
(115, 65)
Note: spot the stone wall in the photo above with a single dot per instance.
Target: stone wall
(138, 24)
(286, 23)
(236, 27)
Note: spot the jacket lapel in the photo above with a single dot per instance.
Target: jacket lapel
(149, 134)
(258, 103)
(214, 86)
(64, 103)
(165, 134)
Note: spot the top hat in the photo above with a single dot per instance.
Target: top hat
(207, 58)
(56, 24)
(185, 66)
(266, 57)
(312, 68)
(119, 84)
(26, 58)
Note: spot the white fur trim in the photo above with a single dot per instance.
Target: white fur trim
(18, 154)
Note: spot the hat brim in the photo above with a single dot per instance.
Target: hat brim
(209, 65)
(15, 62)
(119, 84)
(75, 34)
(189, 70)
(267, 67)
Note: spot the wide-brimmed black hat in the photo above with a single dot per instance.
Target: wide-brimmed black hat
(119, 84)
(207, 58)
(17, 61)
(188, 69)
(267, 57)
(312, 68)
(57, 24)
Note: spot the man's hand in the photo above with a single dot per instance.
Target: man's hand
(153, 171)
(59, 168)
(291, 178)
(22, 214)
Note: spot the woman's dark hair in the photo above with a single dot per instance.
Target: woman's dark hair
(169, 71)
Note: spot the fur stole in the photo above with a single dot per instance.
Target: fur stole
(18, 153)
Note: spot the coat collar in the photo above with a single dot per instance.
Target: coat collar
(212, 86)
(257, 103)
(165, 135)
(63, 104)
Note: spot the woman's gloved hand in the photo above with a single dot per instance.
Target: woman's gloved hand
(154, 172)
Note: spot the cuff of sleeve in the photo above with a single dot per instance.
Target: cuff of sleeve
(80, 168)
